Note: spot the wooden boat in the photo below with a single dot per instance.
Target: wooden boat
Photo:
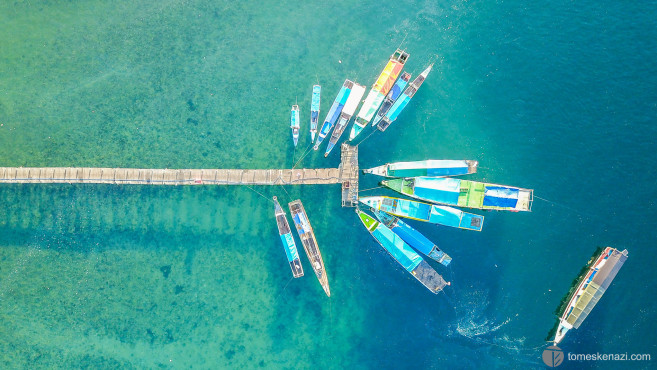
(464, 193)
(392, 96)
(440, 215)
(379, 91)
(413, 237)
(591, 285)
(430, 167)
(403, 100)
(314, 111)
(307, 236)
(294, 124)
(288, 240)
(403, 254)
(350, 106)
(335, 111)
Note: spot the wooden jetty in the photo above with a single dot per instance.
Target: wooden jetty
(346, 174)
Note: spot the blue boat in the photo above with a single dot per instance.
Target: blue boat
(402, 102)
(403, 254)
(288, 240)
(430, 167)
(314, 111)
(392, 96)
(357, 92)
(334, 112)
(413, 237)
(441, 215)
(294, 124)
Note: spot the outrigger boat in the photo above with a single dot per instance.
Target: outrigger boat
(307, 236)
(403, 254)
(392, 96)
(350, 106)
(431, 167)
(294, 124)
(288, 241)
(402, 102)
(335, 111)
(314, 111)
(591, 285)
(440, 215)
(464, 193)
(413, 237)
(379, 91)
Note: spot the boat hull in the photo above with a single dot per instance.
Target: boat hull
(403, 101)
(309, 242)
(592, 285)
(432, 168)
(314, 111)
(413, 237)
(403, 254)
(287, 239)
(334, 112)
(441, 215)
(464, 193)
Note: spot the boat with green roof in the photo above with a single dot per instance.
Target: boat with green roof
(464, 193)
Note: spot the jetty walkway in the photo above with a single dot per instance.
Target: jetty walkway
(346, 174)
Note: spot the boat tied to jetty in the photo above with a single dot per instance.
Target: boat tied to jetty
(314, 111)
(357, 92)
(430, 167)
(307, 236)
(288, 240)
(413, 237)
(294, 124)
(464, 193)
(441, 215)
(379, 91)
(403, 100)
(392, 96)
(403, 253)
(587, 289)
(335, 111)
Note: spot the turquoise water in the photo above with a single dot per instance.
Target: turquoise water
(555, 96)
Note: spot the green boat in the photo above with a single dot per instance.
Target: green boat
(464, 193)
(403, 253)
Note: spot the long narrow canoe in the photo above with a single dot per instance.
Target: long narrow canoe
(350, 106)
(379, 91)
(593, 283)
(294, 124)
(307, 236)
(431, 167)
(413, 237)
(314, 111)
(464, 193)
(440, 215)
(403, 254)
(392, 96)
(288, 240)
(402, 102)
(335, 111)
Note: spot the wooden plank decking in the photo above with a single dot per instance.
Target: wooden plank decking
(347, 174)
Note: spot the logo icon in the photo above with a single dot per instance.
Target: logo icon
(553, 356)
